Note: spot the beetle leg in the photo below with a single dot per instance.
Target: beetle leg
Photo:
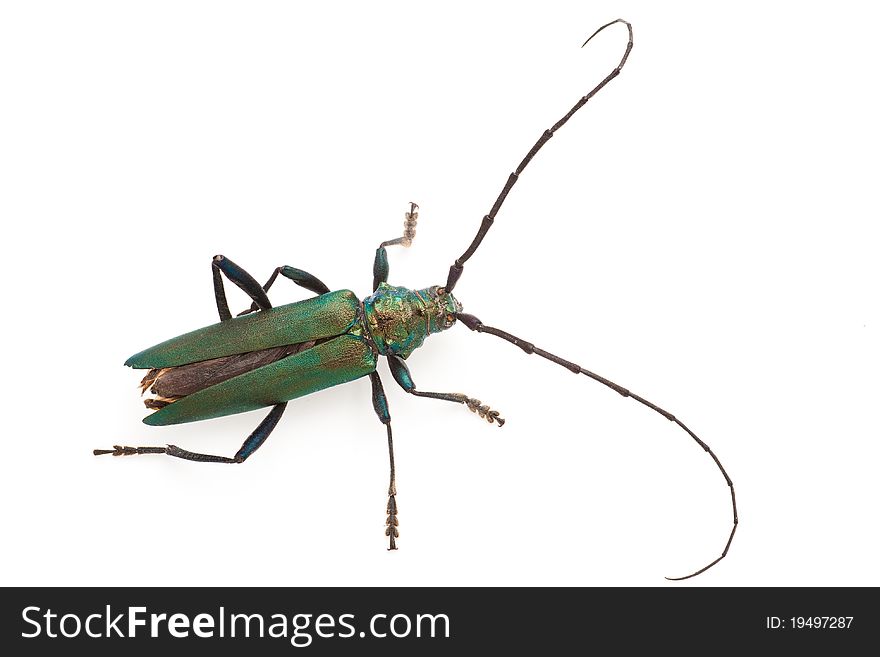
(298, 276)
(380, 404)
(401, 374)
(380, 264)
(242, 279)
(251, 445)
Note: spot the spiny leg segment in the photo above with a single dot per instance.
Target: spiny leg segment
(250, 445)
(401, 374)
(458, 266)
(475, 324)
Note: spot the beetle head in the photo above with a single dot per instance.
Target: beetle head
(441, 308)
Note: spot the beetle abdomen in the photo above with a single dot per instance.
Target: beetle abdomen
(171, 383)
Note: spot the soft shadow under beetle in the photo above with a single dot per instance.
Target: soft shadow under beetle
(267, 356)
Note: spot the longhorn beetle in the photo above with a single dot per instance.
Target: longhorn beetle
(267, 356)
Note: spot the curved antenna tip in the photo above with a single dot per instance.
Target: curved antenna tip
(619, 20)
(705, 568)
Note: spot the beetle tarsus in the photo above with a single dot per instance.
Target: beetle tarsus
(392, 522)
(120, 450)
(410, 219)
(409, 229)
(484, 411)
(380, 264)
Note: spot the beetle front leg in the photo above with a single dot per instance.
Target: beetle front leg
(401, 374)
(380, 404)
(251, 445)
(380, 263)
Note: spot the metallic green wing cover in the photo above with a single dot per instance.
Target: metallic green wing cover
(320, 317)
(330, 363)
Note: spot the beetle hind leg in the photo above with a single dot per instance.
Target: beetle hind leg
(222, 264)
(251, 445)
(380, 404)
(299, 276)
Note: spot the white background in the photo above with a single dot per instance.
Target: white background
(703, 232)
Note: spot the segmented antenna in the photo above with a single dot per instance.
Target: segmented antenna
(458, 266)
(474, 324)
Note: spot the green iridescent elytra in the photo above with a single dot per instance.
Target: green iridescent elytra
(320, 317)
(394, 320)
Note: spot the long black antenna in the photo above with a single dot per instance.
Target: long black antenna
(475, 324)
(456, 269)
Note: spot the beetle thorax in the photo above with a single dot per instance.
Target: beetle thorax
(400, 319)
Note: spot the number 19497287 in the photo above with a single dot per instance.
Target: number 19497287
(809, 622)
